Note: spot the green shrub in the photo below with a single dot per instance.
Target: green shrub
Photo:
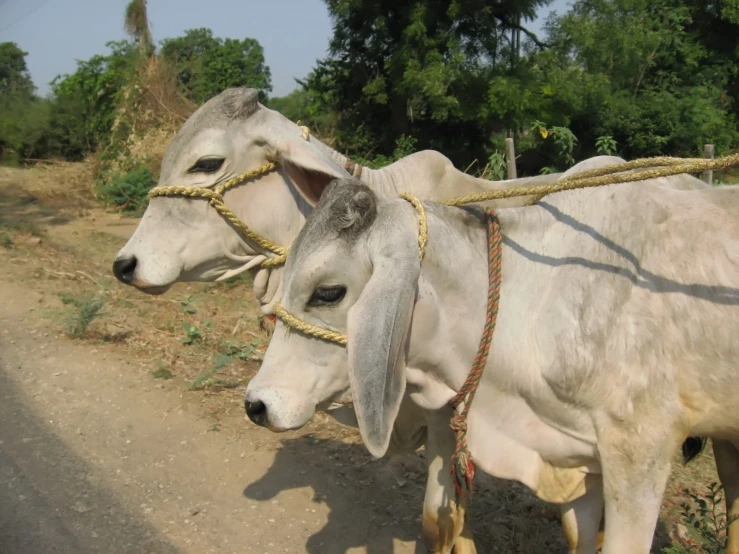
(127, 191)
(84, 309)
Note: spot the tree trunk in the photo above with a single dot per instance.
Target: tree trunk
(399, 116)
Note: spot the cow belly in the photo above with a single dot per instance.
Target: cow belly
(509, 441)
(567, 441)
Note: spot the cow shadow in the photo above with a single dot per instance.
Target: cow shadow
(375, 503)
(372, 503)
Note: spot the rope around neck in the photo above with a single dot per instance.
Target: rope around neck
(463, 469)
(334, 336)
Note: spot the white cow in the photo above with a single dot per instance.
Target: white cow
(186, 240)
(616, 337)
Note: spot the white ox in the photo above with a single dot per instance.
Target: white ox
(616, 338)
(186, 240)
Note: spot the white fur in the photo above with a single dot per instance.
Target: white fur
(616, 339)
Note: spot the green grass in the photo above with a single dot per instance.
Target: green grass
(27, 227)
(5, 240)
(82, 311)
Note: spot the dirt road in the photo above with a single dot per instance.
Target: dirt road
(98, 457)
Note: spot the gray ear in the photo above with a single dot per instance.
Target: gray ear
(240, 102)
(377, 327)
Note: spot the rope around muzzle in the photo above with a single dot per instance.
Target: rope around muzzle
(215, 197)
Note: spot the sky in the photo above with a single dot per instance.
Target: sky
(294, 33)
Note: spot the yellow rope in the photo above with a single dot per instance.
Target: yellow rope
(592, 178)
(659, 167)
(215, 196)
(422, 222)
(332, 336)
(308, 328)
(604, 176)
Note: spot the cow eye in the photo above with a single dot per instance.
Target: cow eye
(206, 165)
(327, 296)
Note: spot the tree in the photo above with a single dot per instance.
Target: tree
(658, 75)
(136, 23)
(401, 67)
(85, 102)
(21, 113)
(207, 65)
(14, 74)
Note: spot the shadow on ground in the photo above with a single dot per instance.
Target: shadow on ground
(22, 211)
(374, 502)
(50, 500)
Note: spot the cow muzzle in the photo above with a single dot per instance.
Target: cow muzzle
(257, 412)
(124, 268)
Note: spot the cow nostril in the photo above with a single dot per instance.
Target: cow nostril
(123, 269)
(257, 412)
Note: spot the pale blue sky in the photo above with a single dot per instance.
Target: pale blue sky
(294, 33)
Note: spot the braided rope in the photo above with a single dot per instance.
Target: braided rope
(605, 176)
(305, 130)
(463, 468)
(332, 336)
(308, 328)
(215, 197)
(423, 226)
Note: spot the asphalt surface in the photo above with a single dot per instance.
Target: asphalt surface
(49, 498)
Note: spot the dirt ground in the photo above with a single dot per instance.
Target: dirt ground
(148, 393)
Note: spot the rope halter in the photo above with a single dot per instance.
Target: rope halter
(330, 335)
(215, 197)
(462, 469)
(214, 194)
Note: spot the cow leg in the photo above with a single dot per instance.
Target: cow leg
(727, 465)
(635, 471)
(581, 518)
(445, 530)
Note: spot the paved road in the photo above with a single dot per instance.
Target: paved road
(48, 499)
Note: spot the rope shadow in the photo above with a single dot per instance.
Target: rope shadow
(639, 276)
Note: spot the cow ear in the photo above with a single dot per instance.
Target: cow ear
(239, 102)
(308, 164)
(377, 328)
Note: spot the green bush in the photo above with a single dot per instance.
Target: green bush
(127, 191)
(84, 309)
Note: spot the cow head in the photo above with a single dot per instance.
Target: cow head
(186, 239)
(351, 271)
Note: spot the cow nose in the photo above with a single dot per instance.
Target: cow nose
(123, 269)
(257, 412)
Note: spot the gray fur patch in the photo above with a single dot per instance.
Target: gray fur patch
(346, 210)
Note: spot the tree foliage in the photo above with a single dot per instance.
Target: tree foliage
(401, 67)
(652, 76)
(14, 76)
(136, 24)
(85, 101)
(206, 65)
(22, 116)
